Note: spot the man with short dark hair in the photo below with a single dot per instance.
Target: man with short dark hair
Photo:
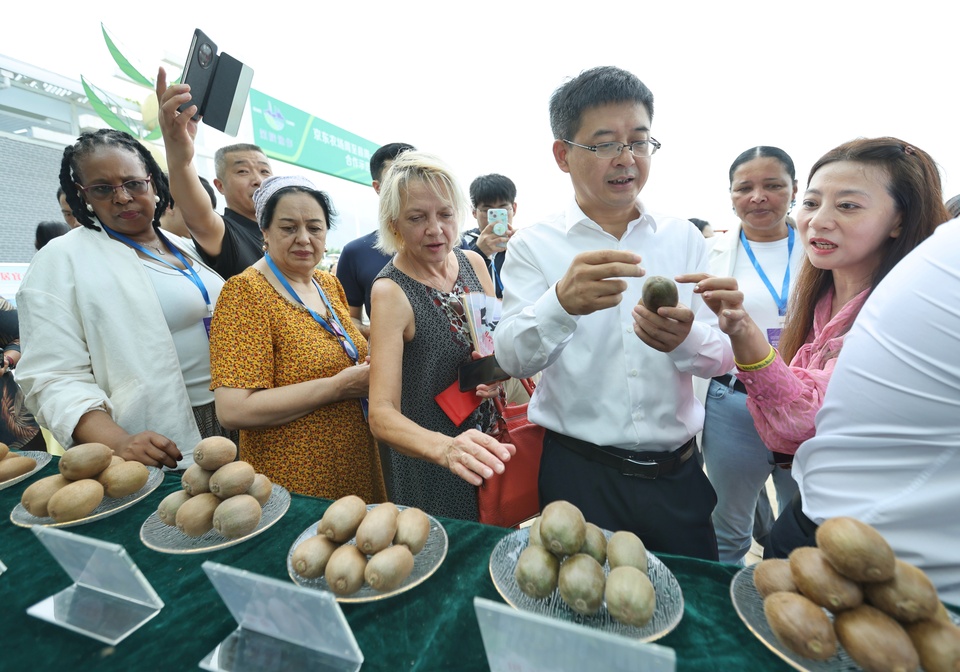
(360, 261)
(616, 396)
(65, 209)
(230, 243)
(489, 192)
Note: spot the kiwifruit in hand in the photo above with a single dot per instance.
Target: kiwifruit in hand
(562, 528)
(624, 549)
(773, 576)
(342, 518)
(856, 549)
(909, 596)
(800, 625)
(818, 580)
(938, 645)
(310, 558)
(232, 479)
(595, 544)
(581, 583)
(344, 571)
(86, 460)
(537, 572)
(876, 642)
(658, 292)
(214, 452)
(630, 596)
(36, 497)
(389, 568)
(413, 529)
(378, 528)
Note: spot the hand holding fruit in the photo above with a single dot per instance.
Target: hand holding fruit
(592, 282)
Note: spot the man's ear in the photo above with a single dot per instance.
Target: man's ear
(219, 185)
(560, 150)
(376, 186)
(514, 204)
(474, 213)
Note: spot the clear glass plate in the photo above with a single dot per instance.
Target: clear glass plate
(42, 458)
(749, 605)
(107, 507)
(157, 535)
(669, 610)
(425, 563)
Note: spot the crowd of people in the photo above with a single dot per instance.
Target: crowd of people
(813, 341)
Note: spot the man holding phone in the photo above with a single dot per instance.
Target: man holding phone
(616, 396)
(492, 196)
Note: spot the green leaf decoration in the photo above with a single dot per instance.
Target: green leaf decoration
(125, 66)
(107, 114)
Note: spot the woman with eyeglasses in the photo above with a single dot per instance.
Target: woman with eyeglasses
(868, 203)
(763, 254)
(114, 315)
(420, 338)
(289, 366)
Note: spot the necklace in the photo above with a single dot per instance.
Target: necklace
(158, 249)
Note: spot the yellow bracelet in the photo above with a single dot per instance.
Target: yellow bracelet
(765, 362)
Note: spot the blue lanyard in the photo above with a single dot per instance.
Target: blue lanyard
(189, 273)
(495, 273)
(780, 300)
(336, 329)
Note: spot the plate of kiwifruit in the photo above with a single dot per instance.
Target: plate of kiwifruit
(17, 466)
(366, 552)
(565, 568)
(847, 604)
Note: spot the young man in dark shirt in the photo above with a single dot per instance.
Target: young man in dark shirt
(486, 193)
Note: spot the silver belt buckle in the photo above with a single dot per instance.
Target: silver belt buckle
(643, 463)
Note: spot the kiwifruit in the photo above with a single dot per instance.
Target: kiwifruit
(537, 572)
(562, 528)
(875, 642)
(344, 571)
(535, 539)
(595, 544)
(196, 480)
(16, 465)
(378, 528)
(389, 568)
(342, 518)
(232, 479)
(413, 529)
(581, 583)
(237, 516)
(773, 576)
(658, 292)
(856, 549)
(120, 480)
(36, 497)
(4, 450)
(195, 516)
(261, 489)
(310, 558)
(75, 500)
(818, 580)
(800, 625)
(624, 549)
(86, 460)
(909, 596)
(630, 596)
(167, 511)
(938, 645)
(214, 452)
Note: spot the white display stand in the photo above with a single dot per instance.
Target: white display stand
(518, 641)
(109, 598)
(3, 567)
(282, 627)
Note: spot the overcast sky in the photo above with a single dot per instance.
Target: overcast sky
(471, 81)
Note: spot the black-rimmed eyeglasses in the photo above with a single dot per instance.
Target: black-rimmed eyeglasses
(611, 150)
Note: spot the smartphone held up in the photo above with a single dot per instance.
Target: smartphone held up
(219, 84)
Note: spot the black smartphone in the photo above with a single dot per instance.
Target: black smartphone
(482, 371)
(198, 71)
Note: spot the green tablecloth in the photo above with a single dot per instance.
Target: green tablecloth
(431, 627)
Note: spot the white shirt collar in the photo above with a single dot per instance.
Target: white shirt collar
(575, 215)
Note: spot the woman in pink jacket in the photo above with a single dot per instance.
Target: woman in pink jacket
(868, 203)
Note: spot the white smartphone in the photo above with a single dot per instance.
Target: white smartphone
(497, 218)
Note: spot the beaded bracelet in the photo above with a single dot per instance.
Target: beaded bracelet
(765, 362)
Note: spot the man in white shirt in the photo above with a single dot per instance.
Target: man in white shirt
(616, 396)
(887, 447)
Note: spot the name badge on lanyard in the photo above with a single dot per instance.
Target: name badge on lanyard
(773, 335)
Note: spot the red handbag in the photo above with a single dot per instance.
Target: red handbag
(508, 499)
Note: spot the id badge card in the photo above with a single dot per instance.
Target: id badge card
(206, 325)
(773, 335)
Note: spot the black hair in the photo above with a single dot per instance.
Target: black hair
(953, 206)
(89, 142)
(384, 154)
(47, 231)
(210, 192)
(593, 88)
(764, 152)
(492, 188)
(59, 192)
(701, 224)
(320, 197)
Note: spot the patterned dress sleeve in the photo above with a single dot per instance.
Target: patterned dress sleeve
(241, 335)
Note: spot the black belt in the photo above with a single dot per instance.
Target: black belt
(737, 385)
(648, 465)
